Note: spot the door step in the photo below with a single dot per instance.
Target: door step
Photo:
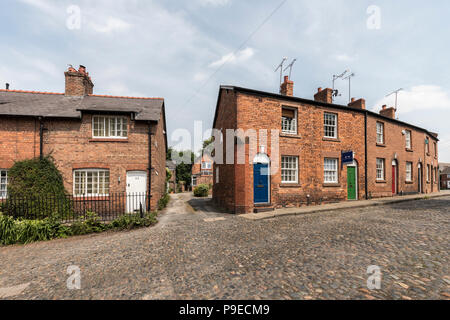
(263, 209)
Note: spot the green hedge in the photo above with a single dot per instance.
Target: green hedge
(26, 231)
(201, 191)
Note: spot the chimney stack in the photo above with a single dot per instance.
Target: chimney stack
(358, 104)
(78, 83)
(287, 87)
(325, 95)
(388, 112)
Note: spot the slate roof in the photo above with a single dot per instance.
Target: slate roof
(57, 105)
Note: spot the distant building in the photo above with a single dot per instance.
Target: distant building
(202, 171)
(172, 183)
(444, 169)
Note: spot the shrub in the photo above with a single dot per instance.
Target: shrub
(31, 182)
(201, 191)
(26, 231)
(163, 202)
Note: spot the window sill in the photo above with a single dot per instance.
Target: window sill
(331, 185)
(409, 182)
(381, 145)
(91, 198)
(331, 139)
(380, 181)
(290, 185)
(409, 150)
(290, 135)
(109, 140)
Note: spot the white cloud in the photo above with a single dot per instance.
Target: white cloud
(418, 98)
(344, 57)
(234, 58)
(112, 24)
(215, 3)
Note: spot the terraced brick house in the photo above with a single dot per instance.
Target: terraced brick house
(202, 171)
(309, 152)
(101, 144)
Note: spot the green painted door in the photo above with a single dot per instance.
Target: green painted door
(351, 183)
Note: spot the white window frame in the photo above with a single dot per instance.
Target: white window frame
(408, 139)
(409, 166)
(328, 125)
(206, 165)
(380, 132)
(330, 170)
(289, 169)
(289, 125)
(428, 173)
(4, 186)
(85, 183)
(380, 164)
(427, 145)
(194, 181)
(117, 127)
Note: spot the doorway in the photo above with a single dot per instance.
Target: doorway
(136, 190)
(352, 181)
(394, 177)
(261, 179)
(420, 175)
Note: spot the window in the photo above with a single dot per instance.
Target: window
(91, 182)
(330, 125)
(427, 145)
(206, 165)
(428, 173)
(289, 169)
(331, 170)
(408, 139)
(109, 127)
(409, 171)
(380, 169)
(194, 181)
(380, 133)
(289, 121)
(207, 172)
(435, 149)
(3, 183)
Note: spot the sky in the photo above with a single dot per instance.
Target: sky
(184, 50)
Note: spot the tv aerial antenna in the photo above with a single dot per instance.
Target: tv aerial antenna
(280, 66)
(349, 78)
(290, 66)
(396, 92)
(335, 77)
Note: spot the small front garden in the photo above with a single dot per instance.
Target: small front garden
(39, 209)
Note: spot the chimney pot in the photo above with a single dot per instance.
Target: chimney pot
(384, 107)
(325, 95)
(287, 87)
(78, 83)
(319, 89)
(353, 100)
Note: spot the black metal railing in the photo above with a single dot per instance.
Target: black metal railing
(69, 208)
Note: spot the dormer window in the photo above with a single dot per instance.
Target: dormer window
(104, 127)
(289, 121)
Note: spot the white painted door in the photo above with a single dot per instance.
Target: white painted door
(136, 190)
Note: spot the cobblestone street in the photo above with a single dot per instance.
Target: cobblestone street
(196, 253)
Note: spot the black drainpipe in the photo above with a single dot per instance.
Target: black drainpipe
(41, 138)
(149, 166)
(365, 155)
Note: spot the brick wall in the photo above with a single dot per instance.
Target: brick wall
(19, 140)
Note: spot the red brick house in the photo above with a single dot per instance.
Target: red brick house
(202, 171)
(445, 177)
(101, 144)
(302, 144)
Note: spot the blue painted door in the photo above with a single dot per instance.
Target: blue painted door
(261, 182)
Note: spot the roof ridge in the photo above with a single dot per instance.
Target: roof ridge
(29, 91)
(123, 97)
